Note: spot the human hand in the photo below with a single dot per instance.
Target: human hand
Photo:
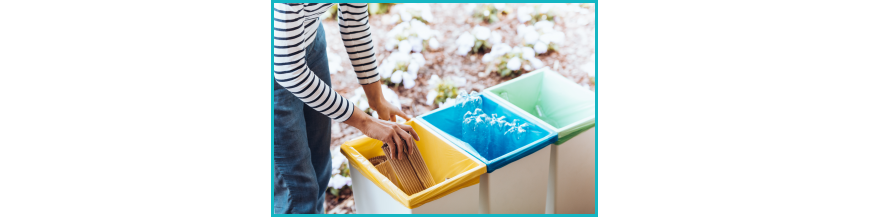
(387, 111)
(379, 104)
(397, 136)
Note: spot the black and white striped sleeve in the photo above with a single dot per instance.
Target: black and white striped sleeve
(292, 72)
(356, 33)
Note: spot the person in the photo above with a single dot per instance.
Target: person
(304, 102)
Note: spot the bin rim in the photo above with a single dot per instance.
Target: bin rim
(501, 161)
(469, 177)
(566, 132)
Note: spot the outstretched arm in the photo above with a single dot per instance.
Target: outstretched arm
(353, 22)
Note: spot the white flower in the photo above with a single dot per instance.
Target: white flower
(463, 50)
(397, 77)
(487, 57)
(399, 57)
(339, 182)
(540, 47)
(531, 37)
(413, 67)
(406, 16)
(498, 6)
(447, 103)
(524, 14)
(416, 44)
(464, 43)
(527, 67)
(337, 160)
(409, 80)
(528, 53)
(536, 63)
(544, 25)
(404, 47)
(398, 29)
(434, 81)
(348, 181)
(514, 64)
(433, 43)
(391, 96)
(423, 31)
(417, 57)
(517, 50)
(391, 44)
(427, 15)
(485, 13)
(481, 33)
(430, 97)
(500, 49)
(386, 69)
(495, 38)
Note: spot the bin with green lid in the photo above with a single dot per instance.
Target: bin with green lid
(568, 109)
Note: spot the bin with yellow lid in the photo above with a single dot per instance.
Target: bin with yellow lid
(456, 176)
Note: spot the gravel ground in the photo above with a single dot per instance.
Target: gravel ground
(574, 60)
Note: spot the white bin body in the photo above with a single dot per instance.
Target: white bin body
(370, 199)
(572, 176)
(517, 188)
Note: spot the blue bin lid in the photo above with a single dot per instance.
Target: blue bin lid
(447, 122)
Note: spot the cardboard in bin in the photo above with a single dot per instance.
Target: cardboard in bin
(563, 105)
(447, 121)
(450, 168)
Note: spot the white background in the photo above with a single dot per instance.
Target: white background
(705, 108)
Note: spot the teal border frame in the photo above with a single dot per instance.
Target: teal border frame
(272, 105)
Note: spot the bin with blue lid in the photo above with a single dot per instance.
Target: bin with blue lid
(517, 169)
(568, 109)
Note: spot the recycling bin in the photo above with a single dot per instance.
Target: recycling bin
(517, 172)
(568, 109)
(455, 172)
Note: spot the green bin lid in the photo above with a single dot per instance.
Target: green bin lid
(562, 105)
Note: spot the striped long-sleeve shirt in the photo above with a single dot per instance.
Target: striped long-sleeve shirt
(295, 28)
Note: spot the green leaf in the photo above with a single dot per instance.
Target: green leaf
(333, 191)
(477, 44)
(505, 72)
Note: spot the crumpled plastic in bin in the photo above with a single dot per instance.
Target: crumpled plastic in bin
(547, 95)
(448, 122)
(450, 168)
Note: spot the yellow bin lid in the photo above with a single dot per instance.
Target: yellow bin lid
(442, 159)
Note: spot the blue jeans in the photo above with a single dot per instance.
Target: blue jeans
(302, 161)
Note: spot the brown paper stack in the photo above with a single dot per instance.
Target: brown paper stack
(380, 163)
(411, 171)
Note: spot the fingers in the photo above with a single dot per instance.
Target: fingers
(392, 145)
(401, 114)
(408, 141)
(408, 128)
(400, 145)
